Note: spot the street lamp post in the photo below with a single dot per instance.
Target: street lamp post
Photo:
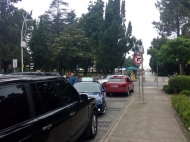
(141, 50)
(22, 42)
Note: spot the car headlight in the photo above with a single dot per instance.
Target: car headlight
(98, 101)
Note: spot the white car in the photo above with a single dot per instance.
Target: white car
(104, 80)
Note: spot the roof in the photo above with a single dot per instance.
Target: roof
(36, 73)
(114, 76)
(12, 79)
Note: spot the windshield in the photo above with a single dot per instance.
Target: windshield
(108, 77)
(88, 88)
(116, 80)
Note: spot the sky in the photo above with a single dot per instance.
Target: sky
(141, 13)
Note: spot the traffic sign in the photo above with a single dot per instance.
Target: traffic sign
(138, 59)
(14, 63)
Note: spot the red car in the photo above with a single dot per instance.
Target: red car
(119, 84)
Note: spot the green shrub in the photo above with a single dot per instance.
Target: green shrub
(182, 105)
(185, 92)
(167, 89)
(179, 83)
(177, 99)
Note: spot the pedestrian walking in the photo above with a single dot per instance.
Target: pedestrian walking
(72, 79)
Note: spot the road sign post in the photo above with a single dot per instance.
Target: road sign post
(14, 64)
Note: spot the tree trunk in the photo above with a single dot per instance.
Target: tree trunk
(180, 68)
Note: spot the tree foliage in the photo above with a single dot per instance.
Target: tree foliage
(61, 41)
(174, 17)
(38, 45)
(73, 48)
(179, 49)
(11, 22)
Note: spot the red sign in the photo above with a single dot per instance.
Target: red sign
(138, 59)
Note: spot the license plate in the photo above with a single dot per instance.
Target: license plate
(114, 85)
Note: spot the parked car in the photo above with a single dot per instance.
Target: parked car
(104, 80)
(37, 73)
(119, 84)
(93, 89)
(44, 108)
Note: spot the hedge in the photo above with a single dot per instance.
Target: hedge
(182, 105)
(179, 83)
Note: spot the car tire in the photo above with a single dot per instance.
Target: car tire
(107, 94)
(91, 129)
(104, 108)
(93, 125)
(132, 89)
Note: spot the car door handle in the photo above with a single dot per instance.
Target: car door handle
(71, 114)
(47, 127)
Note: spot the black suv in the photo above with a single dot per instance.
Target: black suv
(44, 108)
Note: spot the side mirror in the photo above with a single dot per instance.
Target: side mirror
(84, 97)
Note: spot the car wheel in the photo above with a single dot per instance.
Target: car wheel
(93, 125)
(104, 108)
(91, 129)
(128, 92)
(132, 89)
(108, 94)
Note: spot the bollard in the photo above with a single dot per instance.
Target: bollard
(155, 79)
(144, 79)
(163, 79)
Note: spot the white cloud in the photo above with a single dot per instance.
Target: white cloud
(141, 13)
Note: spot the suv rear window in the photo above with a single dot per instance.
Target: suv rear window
(14, 107)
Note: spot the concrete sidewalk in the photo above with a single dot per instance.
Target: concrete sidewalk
(154, 121)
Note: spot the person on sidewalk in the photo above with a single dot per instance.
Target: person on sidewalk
(72, 79)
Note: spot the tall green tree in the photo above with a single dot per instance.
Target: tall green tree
(179, 49)
(71, 18)
(57, 15)
(114, 40)
(72, 48)
(153, 51)
(92, 22)
(174, 17)
(39, 47)
(11, 23)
